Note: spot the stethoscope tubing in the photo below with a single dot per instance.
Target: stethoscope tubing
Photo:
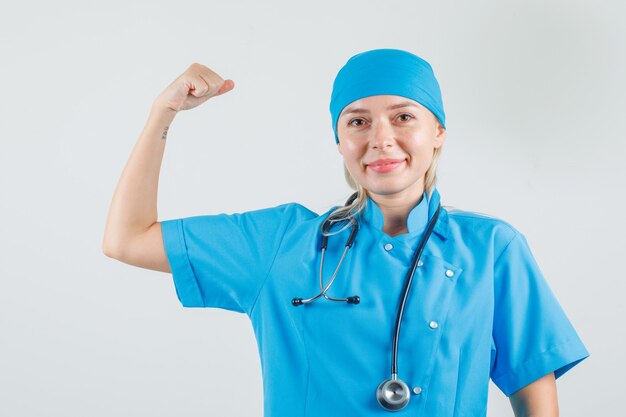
(405, 292)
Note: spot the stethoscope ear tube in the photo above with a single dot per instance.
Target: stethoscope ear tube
(355, 299)
(326, 226)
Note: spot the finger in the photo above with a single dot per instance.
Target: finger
(199, 87)
(226, 87)
(196, 101)
(213, 83)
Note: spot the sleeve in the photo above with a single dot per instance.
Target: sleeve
(531, 333)
(222, 260)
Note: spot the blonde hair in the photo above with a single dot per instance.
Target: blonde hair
(358, 200)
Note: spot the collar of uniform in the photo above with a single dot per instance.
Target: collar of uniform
(418, 216)
(441, 227)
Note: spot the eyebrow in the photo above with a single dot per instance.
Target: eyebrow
(392, 107)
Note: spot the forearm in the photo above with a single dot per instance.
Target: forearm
(134, 205)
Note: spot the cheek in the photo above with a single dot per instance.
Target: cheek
(350, 150)
(352, 162)
(425, 152)
(422, 144)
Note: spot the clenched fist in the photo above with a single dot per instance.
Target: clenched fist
(192, 88)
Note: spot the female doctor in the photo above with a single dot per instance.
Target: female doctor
(389, 304)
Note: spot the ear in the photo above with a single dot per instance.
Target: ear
(440, 136)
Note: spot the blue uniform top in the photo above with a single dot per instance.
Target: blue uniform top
(479, 307)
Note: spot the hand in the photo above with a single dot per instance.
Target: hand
(192, 88)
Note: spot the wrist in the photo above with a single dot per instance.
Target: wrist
(161, 112)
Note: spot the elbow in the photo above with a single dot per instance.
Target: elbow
(111, 250)
(108, 253)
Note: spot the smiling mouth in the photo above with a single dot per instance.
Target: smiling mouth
(383, 166)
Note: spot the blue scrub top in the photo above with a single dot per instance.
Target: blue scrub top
(479, 307)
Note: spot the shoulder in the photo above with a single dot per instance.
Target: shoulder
(291, 209)
(481, 227)
(477, 219)
(282, 216)
(285, 216)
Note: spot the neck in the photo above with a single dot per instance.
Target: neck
(395, 209)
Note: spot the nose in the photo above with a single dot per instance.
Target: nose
(382, 135)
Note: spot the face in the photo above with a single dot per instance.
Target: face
(387, 143)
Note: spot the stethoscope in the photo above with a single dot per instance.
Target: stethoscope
(392, 394)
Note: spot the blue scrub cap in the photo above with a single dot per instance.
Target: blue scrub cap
(386, 71)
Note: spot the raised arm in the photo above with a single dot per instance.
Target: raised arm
(132, 233)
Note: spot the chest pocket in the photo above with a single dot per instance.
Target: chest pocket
(432, 288)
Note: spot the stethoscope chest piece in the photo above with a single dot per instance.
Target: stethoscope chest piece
(393, 394)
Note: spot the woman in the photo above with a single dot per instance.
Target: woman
(390, 303)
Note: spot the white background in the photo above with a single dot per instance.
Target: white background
(534, 93)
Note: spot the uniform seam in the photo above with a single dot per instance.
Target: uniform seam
(457, 393)
(457, 212)
(308, 376)
(271, 266)
(466, 213)
(183, 239)
(515, 235)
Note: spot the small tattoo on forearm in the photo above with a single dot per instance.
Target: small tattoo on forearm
(164, 135)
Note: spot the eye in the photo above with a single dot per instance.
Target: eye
(405, 117)
(356, 122)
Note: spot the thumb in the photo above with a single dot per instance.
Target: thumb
(226, 87)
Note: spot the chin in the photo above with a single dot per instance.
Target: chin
(385, 191)
(393, 189)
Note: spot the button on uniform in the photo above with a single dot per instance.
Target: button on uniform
(449, 273)
(433, 324)
(388, 246)
(417, 390)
